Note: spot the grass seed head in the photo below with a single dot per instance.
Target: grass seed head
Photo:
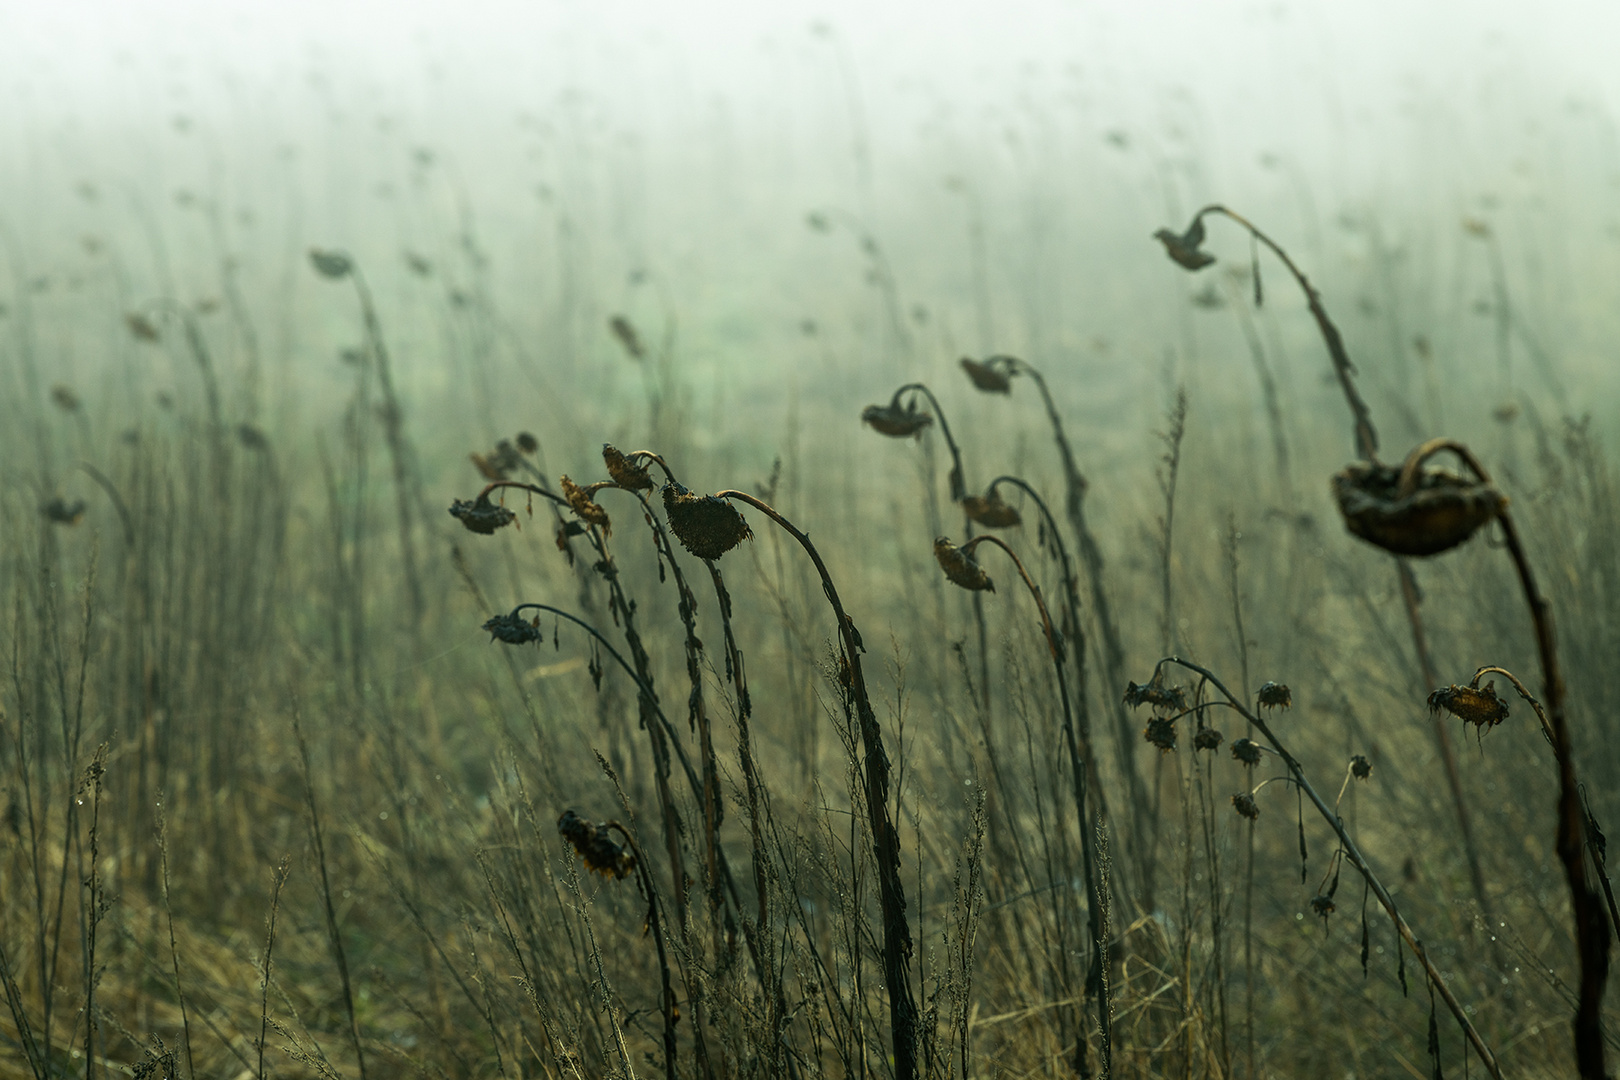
(1183, 248)
(480, 515)
(1360, 767)
(1441, 512)
(1207, 739)
(1161, 732)
(513, 629)
(894, 421)
(626, 473)
(987, 376)
(960, 567)
(595, 846)
(1246, 751)
(583, 502)
(1274, 695)
(1480, 707)
(706, 526)
(991, 511)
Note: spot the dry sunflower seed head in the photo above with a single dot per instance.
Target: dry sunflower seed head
(895, 422)
(1274, 695)
(583, 502)
(706, 526)
(1161, 732)
(480, 515)
(1183, 248)
(1360, 767)
(1246, 806)
(513, 629)
(1246, 751)
(499, 463)
(1207, 739)
(960, 567)
(625, 473)
(1156, 694)
(1442, 511)
(1323, 906)
(595, 846)
(987, 376)
(991, 511)
(1480, 707)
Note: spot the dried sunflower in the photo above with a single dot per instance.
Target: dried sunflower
(962, 568)
(706, 526)
(1440, 511)
(600, 852)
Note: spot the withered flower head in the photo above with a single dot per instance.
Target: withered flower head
(706, 526)
(625, 473)
(1246, 751)
(1156, 694)
(626, 333)
(583, 503)
(499, 463)
(1184, 248)
(251, 436)
(991, 511)
(1207, 739)
(513, 629)
(962, 569)
(143, 328)
(1274, 695)
(1480, 707)
(1441, 512)
(987, 376)
(527, 443)
(480, 515)
(65, 398)
(595, 846)
(330, 264)
(1360, 767)
(1246, 806)
(59, 512)
(1161, 732)
(895, 422)
(1323, 906)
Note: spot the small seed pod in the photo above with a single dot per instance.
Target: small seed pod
(706, 526)
(1360, 767)
(987, 376)
(1479, 707)
(625, 473)
(1183, 248)
(1323, 906)
(330, 264)
(1246, 806)
(1274, 695)
(1246, 751)
(1440, 511)
(595, 846)
(513, 629)
(1207, 739)
(895, 422)
(480, 515)
(1161, 732)
(583, 503)
(962, 568)
(991, 511)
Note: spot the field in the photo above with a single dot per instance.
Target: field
(670, 585)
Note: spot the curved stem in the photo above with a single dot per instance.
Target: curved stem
(958, 480)
(666, 999)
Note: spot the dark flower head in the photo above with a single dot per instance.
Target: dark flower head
(1360, 767)
(513, 629)
(626, 333)
(961, 568)
(480, 515)
(60, 512)
(1440, 512)
(330, 264)
(1184, 248)
(1207, 739)
(64, 398)
(1274, 695)
(500, 463)
(894, 421)
(1246, 806)
(626, 473)
(1479, 707)
(1156, 694)
(988, 375)
(706, 526)
(252, 437)
(595, 846)
(1323, 906)
(143, 328)
(1246, 751)
(582, 500)
(527, 443)
(1161, 732)
(991, 511)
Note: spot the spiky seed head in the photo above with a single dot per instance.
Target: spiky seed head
(626, 473)
(513, 629)
(1480, 707)
(1183, 247)
(333, 265)
(1245, 805)
(1360, 767)
(583, 502)
(480, 515)
(1207, 739)
(1161, 732)
(1442, 511)
(1246, 751)
(894, 421)
(960, 567)
(1274, 695)
(987, 377)
(706, 526)
(599, 851)
(991, 511)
